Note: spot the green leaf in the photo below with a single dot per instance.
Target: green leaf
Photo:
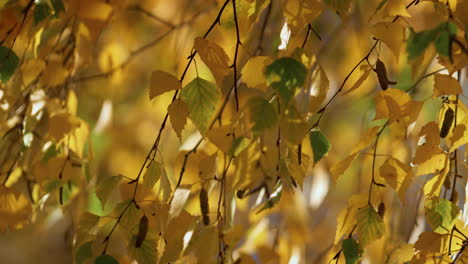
(106, 187)
(351, 250)
(370, 225)
(84, 253)
(152, 175)
(263, 114)
(201, 97)
(285, 75)
(58, 7)
(418, 42)
(105, 259)
(443, 40)
(8, 63)
(238, 145)
(41, 12)
(319, 143)
(441, 214)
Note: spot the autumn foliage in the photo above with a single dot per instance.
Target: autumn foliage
(233, 131)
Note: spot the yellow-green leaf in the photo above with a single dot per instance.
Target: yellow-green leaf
(201, 97)
(370, 226)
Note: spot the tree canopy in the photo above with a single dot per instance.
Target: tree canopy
(233, 131)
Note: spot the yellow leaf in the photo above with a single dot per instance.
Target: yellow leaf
(429, 143)
(434, 185)
(392, 34)
(162, 82)
(178, 113)
(459, 136)
(207, 167)
(370, 226)
(397, 175)
(61, 124)
(445, 85)
(396, 8)
(340, 167)
(347, 218)
(181, 195)
(91, 9)
(213, 56)
(402, 254)
(222, 137)
(296, 170)
(15, 209)
(253, 73)
(393, 104)
(31, 69)
(428, 242)
(300, 12)
(319, 89)
(112, 56)
(365, 69)
(55, 74)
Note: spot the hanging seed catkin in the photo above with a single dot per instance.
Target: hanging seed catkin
(142, 231)
(447, 123)
(204, 206)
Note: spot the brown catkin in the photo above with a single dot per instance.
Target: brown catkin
(204, 206)
(447, 123)
(381, 72)
(142, 231)
(381, 209)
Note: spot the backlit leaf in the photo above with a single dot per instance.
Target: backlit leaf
(441, 214)
(319, 143)
(370, 226)
(202, 99)
(392, 34)
(253, 71)
(105, 188)
(152, 174)
(213, 56)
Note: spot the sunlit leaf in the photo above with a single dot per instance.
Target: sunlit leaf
(152, 174)
(319, 143)
(213, 56)
(202, 99)
(392, 34)
(370, 226)
(253, 71)
(105, 188)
